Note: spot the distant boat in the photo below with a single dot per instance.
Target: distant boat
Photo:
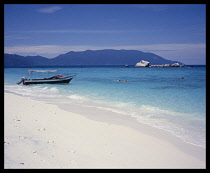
(142, 63)
(127, 65)
(51, 80)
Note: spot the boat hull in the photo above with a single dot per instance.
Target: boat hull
(47, 81)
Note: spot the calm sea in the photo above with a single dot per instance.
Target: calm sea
(153, 96)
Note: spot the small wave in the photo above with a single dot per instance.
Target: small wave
(181, 125)
(48, 89)
(78, 97)
(54, 89)
(33, 91)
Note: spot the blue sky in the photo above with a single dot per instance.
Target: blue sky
(173, 31)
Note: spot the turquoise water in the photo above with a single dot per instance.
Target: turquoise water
(154, 96)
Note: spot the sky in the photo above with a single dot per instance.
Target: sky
(174, 31)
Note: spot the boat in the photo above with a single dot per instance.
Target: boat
(142, 63)
(56, 79)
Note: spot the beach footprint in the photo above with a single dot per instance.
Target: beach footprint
(41, 129)
(72, 151)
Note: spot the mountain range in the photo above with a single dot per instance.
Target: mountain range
(88, 57)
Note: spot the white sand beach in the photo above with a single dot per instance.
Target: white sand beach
(41, 135)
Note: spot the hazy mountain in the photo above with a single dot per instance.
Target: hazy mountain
(13, 60)
(88, 57)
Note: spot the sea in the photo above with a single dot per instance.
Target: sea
(171, 98)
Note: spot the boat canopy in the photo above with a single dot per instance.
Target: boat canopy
(30, 71)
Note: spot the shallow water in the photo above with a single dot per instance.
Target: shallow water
(154, 96)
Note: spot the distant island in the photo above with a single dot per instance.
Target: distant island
(88, 57)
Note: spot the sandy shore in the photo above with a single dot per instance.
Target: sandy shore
(41, 135)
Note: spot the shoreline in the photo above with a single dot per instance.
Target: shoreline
(106, 116)
(55, 136)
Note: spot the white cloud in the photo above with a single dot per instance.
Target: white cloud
(185, 53)
(15, 37)
(41, 49)
(51, 9)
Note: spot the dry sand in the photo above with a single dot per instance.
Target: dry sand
(41, 135)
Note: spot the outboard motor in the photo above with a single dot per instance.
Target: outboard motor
(22, 80)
